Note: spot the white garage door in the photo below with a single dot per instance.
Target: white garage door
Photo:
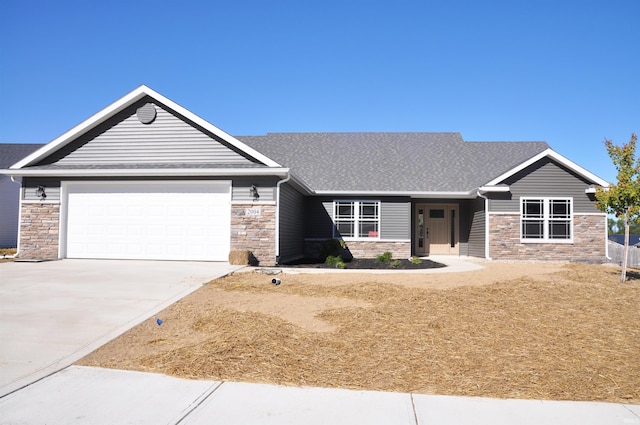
(148, 221)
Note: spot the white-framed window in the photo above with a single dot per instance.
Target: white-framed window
(356, 219)
(546, 219)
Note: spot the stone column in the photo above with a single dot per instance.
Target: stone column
(39, 230)
(253, 228)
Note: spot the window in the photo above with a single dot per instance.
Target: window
(356, 219)
(436, 213)
(546, 219)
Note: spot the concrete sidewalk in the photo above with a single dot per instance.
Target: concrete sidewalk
(84, 395)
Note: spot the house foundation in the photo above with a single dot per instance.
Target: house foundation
(362, 249)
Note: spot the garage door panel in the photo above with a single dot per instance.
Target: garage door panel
(149, 221)
(134, 211)
(174, 230)
(112, 249)
(117, 230)
(176, 211)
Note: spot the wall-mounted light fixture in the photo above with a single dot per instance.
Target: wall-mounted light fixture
(40, 192)
(254, 192)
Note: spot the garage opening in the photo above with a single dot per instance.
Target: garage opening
(155, 220)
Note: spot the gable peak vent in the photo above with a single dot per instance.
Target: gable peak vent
(146, 113)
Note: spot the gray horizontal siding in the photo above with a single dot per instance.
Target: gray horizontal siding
(241, 190)
(395, 217)
(51, 187)
(125, 140)
(319, 222)
(546, 178)
(395, 220)
(9, 201)
(477, 234)
(291, 225)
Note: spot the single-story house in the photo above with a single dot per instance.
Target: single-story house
(10, 153)
(145, 178)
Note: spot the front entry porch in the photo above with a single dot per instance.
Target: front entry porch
(436, 229)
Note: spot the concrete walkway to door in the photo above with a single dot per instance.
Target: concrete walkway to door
(54, 313)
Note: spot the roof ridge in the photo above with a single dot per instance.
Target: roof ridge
(360, 132)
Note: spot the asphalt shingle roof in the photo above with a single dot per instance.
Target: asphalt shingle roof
(395, 162)
(10, 153)
(370, 162)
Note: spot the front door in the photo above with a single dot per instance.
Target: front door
(436, 229)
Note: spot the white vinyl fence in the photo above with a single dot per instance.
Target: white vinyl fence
(616, 252)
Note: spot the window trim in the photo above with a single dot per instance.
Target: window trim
(356, 219)
(546, 219)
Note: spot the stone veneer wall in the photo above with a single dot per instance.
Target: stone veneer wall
(39, 230)
(588, 241)
(363, 249)
(255, 233)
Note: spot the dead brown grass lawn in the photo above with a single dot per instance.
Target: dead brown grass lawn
(512, 330)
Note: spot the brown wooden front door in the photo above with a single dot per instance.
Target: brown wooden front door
(436, 229)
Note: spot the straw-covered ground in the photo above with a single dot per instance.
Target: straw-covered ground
(6, 253)
(541, 331)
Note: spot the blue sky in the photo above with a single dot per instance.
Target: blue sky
(563, 71)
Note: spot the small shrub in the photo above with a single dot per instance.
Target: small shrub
(395, 264)
(336, 261)
(384, 258)
(332, 248)
(416, 260)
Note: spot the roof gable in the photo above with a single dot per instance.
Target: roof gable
(112, 123)
(125, 139)
(551, 154)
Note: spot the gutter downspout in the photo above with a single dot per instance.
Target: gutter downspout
(277, 238)
(486, 225)
(19, 217)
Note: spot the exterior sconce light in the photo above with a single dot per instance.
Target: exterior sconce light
(40, 192)
(254, 192)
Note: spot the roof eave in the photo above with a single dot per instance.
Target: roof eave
(411, 194)
(301, 184)
(123, 103)
(494, 189)
(148, 172)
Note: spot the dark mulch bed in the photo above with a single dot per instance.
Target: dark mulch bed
(365, 263)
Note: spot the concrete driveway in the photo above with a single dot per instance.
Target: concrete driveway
(54, 313)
